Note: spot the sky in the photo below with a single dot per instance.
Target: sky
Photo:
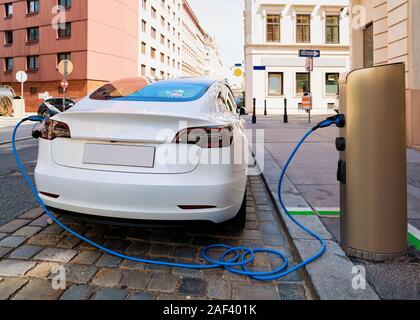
(223, 19)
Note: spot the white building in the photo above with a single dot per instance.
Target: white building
(213, 66)
(275, 31)
(193, 47)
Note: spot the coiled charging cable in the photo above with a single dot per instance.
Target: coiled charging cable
(242, 256)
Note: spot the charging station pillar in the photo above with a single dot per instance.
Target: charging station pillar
(373, 169)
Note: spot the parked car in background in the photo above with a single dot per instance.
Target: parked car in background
(53, 106)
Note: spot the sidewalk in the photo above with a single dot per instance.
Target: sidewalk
(312, 188)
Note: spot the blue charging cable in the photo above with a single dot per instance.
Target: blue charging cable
(242, 256)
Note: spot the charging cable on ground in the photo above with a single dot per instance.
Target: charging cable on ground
(242, 256)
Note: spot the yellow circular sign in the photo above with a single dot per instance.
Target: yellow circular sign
(238, 72)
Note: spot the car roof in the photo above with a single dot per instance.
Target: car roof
(187, 80)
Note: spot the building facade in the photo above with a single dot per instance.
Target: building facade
(38, 35)
(213, 66)
(160, 38)
(388, 31)
(275, 31)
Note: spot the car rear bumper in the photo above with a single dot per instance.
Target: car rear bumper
(155, 197)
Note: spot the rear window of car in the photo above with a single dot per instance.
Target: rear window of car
(176, 90)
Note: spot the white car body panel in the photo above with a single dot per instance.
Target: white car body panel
(143, 192)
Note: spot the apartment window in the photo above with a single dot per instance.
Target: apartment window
(153, 13)
(162, 58)
(368, 46)
(332, 29)
(32, 62)
(143, 70)
(143, 26)
(169, 44)
(65, 3)
(162, 21)
(303, 28)
(66, 31)
(63, 56)
(153, 33)
(143, 48)
(32, 6)
(8, 64)
(33, 91)
(8, 37)
(144, 4)
(275, 83)
(8, 7)
(273, 28)
(303, 83)
(153, 53)
(162, 3)
(168, 61)
(162, 75)
(32, 34)
(331, 84)
(162, 39)
(153, 72)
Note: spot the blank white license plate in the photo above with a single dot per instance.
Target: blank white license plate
(119, 155)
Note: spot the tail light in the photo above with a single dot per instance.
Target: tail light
(52, 129)
(206, 137)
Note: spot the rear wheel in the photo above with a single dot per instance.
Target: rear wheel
(239, 220)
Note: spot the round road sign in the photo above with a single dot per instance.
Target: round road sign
(21, 76)
(65, 67)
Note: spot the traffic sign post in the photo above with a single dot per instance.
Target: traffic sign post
(21, 77)
(309, 66)
(65, 67)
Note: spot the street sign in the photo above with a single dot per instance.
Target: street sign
(64, 84)
(238, 72)
(44, 96)
(65, 67)
(309, 64)
(259, 68)
(309, 53)
(21, 76)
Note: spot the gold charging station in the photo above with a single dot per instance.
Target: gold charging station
(373, 168)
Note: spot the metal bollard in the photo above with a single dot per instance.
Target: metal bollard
(265, 107)
(254, 112)
(285, 116)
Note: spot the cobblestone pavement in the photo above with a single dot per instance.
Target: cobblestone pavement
(32, 252)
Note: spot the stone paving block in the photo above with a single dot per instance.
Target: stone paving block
(12, 242)
(42, 270)
(38, 290)
(86, 257)
(3, 235)
(291, 291)
(25, 252)
(270, 229)
(42, 221)
(15, 268)
(142, 296)
(32, 214)
(53, 229)
(266, 216)
(160, 268)
(117, 233)
(13, 225)
(161, 250)
(110, 294)
(131, 265)
(56, 255)
(138, 235)
(169, 297)
(193, 287)
(79, 274)
(117, 245)
(106, 260)
(135, 279)
(138, 248)
(254, 292)
(163, 282)
(185, 252)
(9, 286)
(220, 290)
(107, 278)
(27, 231)
(78, 293)
(192, 273)
(44, 239)
(275, 241)
(4, 251)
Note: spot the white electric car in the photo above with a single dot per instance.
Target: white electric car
(169, 151)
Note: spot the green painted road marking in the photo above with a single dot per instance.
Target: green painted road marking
(302, 213)
(329, 213)
(413, 241)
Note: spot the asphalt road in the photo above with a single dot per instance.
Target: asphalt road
(15, 197)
